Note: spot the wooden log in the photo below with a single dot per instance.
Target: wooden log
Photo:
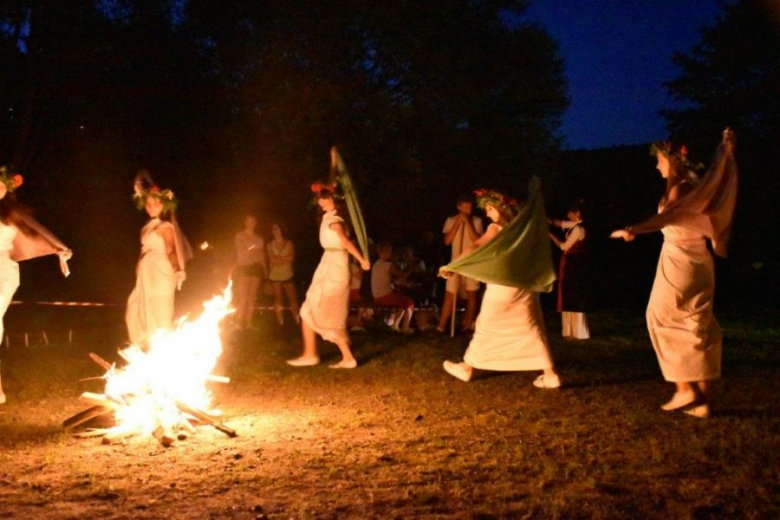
(84, 416)
(201, 416)
(105, 365)
(100, 399)
(165, 437)
(97, 432)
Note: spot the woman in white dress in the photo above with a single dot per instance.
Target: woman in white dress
(249, 271)
(21, 238)
(510, 332)
(325, 310)
(281, 254)
(160, 270)
(680, 319)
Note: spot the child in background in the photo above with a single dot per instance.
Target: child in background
(382, 276)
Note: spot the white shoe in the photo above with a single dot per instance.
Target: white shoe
(344, 364)
(679, 400)
(701, 411)
(457, 370)
(304, 361)
(2, 398)
(547, 382)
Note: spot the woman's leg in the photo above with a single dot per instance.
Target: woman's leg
(278, 304)
(292, 297)
(309, 341)
(253, 285)
(347, 359)
(241, 294)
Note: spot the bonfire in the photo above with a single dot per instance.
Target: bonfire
(161, 392)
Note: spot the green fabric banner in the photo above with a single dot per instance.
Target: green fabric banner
(520, 255)
(340, 174)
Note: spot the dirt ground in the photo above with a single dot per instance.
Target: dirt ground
(398, 438)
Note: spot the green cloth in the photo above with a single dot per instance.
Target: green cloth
(520, 255)
(351, 199)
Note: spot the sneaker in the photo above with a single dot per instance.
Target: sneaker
(457, 370)
(547, 382)
(304, 361)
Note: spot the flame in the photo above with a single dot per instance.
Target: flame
(175, 369)
(205, 246)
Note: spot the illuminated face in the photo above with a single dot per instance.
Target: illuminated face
(492, 213)
(465, 207)
(250, 223)
(276, 231)
(576, 216)
(153, 206)
(326, 204)
(663, 165)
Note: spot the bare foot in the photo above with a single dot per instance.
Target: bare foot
(678, 400)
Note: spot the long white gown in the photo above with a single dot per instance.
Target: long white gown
(9, 271)
(150, 305)
(327, 301)
(680, 319)
(510, 333)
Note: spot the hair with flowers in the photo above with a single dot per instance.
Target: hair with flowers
(676, 151)
(144, 188)
(505, 204)
(11, 182)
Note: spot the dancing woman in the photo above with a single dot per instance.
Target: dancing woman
(683, 329)
(325, 310)
(510, 333)
(21, 238)
(572, 273)
(164, 254)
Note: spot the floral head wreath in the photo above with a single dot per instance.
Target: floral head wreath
(333, 187)
(142, 192)
(10, 183)
(672, 150)
(507, 205)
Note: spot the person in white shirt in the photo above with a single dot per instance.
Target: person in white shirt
(460, 232)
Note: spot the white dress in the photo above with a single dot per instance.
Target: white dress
(327, 301)
(150, 305)
(683, 329)
(9, 271)
(510, 332)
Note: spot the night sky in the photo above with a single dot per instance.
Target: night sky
(618, 54)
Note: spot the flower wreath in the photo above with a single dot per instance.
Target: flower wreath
(11, 182)
(168, 199)
(333, 187)
(669, 149)
(508, 205)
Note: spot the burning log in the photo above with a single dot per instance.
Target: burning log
(202, 416)
(85, 416)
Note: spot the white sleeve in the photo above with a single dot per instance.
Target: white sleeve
(448, 225)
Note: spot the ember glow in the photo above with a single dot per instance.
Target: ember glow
(160, 391)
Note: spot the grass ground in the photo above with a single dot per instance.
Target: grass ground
(398, 438)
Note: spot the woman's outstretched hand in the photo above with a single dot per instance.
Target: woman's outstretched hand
(624, 234)
(365, 265)
(444, 273)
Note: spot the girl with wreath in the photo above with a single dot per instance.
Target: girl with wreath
(160, 270)
(325, 310)
(21, 238)
(680, 319)
(510, 332)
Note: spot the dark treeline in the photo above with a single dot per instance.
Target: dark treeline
(235, 105)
